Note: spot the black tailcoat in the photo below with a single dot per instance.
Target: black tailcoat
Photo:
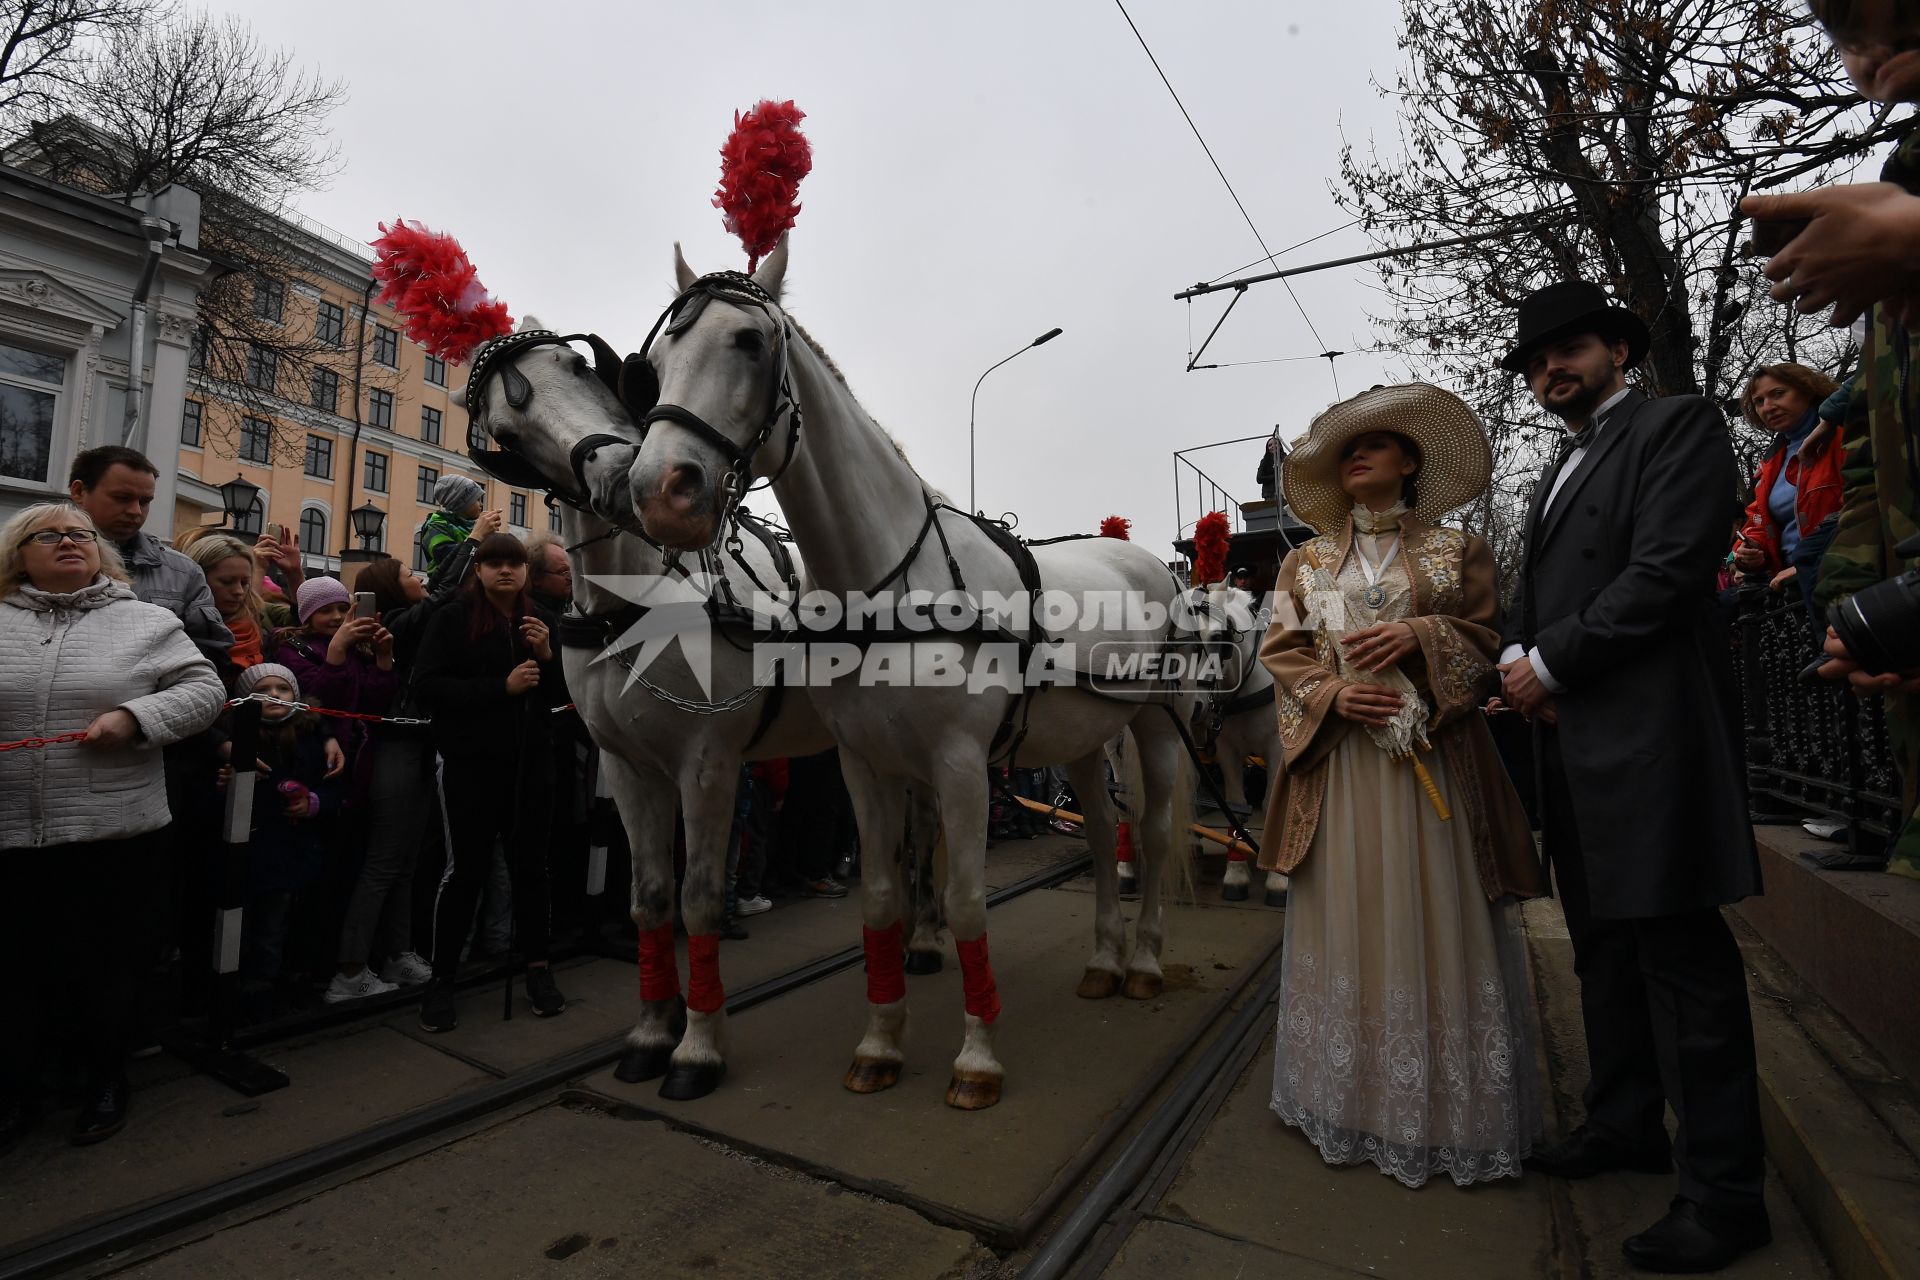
(1618, 593)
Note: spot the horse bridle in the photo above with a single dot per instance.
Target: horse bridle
(622, 377)
(738, 289)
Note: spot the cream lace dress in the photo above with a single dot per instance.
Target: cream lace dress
(1406, 1024)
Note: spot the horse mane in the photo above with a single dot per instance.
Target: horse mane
(814, 346)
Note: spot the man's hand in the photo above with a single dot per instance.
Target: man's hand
(115, 728)
(1378, 647)
(1780, 580)
(1858, 248)
(1841, 666)
(1520, 684)
(1366, 704)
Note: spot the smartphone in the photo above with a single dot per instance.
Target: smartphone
(363, 604)
(1769, 238)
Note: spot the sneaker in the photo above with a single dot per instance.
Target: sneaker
(408, 969)
(436, 1009)
(544, 995)
(825, 887)
(358, 987)
(752, 906)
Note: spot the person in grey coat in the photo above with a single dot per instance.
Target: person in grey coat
(103, 680)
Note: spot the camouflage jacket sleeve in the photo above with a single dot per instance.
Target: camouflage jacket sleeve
(1854, 558)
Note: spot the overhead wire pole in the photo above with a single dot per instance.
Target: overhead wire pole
(1330, 356)
(1282, 275)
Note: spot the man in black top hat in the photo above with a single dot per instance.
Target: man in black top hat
(1615, 652)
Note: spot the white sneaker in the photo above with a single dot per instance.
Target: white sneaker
(358, 987)
(408, 969)
(752, 906)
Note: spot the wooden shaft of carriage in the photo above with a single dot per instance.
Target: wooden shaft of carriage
(1208, 833)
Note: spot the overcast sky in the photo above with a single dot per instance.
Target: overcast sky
(982, 172)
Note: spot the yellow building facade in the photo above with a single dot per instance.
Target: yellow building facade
(316, 446)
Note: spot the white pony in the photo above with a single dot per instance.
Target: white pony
(737, 381)
(1236, 719)
(666, 746)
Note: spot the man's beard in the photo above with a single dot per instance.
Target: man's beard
(1580, 406)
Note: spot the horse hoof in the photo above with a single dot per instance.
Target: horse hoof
(871, 1075)
(1233, 893)
(922, 963)
(1276, 897)
(970, 1091)
(1097, 984)
(643, 1062)
(1142, 986)
(687, 1081)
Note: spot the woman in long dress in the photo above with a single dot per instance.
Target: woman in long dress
(1406, 1028)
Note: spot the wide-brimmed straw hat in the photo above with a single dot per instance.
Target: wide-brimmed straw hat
(1456, 463)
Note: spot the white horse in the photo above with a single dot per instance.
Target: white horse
(737, 378)
(669, 745)
(1237, 719)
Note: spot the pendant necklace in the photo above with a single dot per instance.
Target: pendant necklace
(1376, 593)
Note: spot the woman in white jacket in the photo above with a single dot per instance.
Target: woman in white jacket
(81, 820)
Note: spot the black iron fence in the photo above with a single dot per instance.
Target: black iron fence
(1812, 749)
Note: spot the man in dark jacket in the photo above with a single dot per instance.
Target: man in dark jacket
(1617, 655)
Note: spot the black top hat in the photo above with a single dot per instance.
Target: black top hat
(1572, 307)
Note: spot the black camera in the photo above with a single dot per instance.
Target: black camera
(1881, 625)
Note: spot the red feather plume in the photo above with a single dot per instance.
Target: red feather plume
(426, 277)
(761, 165)
(1210, 538)
(1116, 527)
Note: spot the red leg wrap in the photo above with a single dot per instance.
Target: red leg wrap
(1235, 855)
(704, 994)
(1123, 842)
(659, 971)
(976, 976)
(886, 964)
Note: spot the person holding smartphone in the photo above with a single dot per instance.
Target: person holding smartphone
(344, 663)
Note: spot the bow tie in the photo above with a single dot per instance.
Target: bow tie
(1581, 438)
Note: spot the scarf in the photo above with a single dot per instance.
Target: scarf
(246, 651)
(1367, 520)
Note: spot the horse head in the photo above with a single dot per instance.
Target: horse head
(1223, 620)
(554, 415)
(720, 356)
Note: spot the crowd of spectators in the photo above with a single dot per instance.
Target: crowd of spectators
(446, 818)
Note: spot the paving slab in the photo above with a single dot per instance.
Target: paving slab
(1254, 1179)
(1070, 1063)
(571, 1192)
(194, 1130)
(1159, 1249)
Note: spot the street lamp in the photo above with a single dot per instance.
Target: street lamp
(1044, 338)
(367, 520)
(238, 496)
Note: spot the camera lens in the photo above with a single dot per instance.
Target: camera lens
(1881, 625)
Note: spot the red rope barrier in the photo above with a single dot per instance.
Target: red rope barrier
(42, 742)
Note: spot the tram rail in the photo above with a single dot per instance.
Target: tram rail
(121, 1230)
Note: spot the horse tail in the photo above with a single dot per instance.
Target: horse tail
(1176, 869)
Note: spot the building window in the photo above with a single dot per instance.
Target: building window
(269, 299)
(380, 408)
(419, 551)
(190, 424)
(313, 532)
(256, 441)
(553, 519)
(319, 463)
(330, 324)
(30, 387)
(423, 485)
(517, 510)
(436, 370)
(197, 349)
(386, 346)
(430, 424)
(376, 478)
(263, 367)
(250, 524)
(326, 390)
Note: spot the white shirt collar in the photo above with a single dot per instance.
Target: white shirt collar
(1599, 418)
